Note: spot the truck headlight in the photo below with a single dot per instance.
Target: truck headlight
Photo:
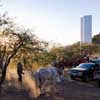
(80, 73)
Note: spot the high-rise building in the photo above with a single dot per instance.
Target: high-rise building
(86, 29)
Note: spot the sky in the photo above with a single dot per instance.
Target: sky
(54, 20)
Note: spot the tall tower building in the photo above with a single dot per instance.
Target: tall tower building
(86, 29)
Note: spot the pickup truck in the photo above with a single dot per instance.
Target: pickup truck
(97, 70)
(84, 71)
(97, 76)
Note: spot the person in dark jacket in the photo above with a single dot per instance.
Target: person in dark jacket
(20, 71)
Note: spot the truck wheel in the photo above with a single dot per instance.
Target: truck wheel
(98, 83)
(72, 77)
(85, 79)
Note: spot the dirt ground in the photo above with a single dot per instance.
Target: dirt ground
(75, 90)
(67, 90)
(13, 90)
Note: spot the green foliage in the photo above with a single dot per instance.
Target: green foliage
(72, 52)
(96, 39)
(18, 44)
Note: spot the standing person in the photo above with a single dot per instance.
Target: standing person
(88, 58)
(20, 71)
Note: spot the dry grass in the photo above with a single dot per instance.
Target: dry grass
(30, 85)
(28, 82)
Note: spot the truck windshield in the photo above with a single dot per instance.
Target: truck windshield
(86, 66)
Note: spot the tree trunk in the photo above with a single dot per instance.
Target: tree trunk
(3, 75)
(4, 68)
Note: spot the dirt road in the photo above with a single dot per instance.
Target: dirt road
(76, 90)
(68, 90)
(13, 90)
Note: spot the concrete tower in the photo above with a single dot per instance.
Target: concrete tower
(86, 29)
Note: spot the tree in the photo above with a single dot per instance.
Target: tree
(96, 39)
(14, 41)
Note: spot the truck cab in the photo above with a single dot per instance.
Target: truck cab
(97, 70)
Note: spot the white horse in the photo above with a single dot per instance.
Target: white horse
(46, 74)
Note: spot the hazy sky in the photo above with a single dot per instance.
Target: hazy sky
(57, 20)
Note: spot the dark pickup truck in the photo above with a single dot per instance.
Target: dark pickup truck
(97, 70)
(87, 71)
(84, 71)
(97, 77)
